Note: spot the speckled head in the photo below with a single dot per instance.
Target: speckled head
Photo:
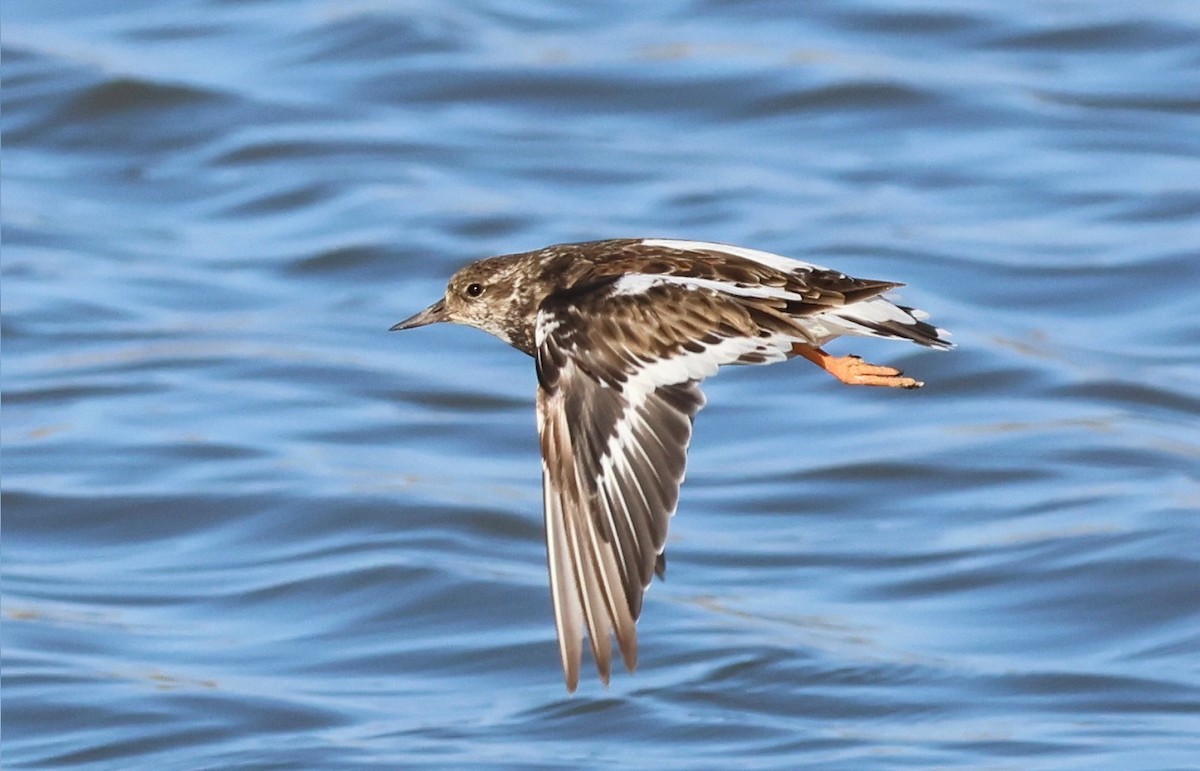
(499, 295)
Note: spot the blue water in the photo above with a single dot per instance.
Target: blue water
(246, 527)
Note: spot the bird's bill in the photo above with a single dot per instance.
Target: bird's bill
(431, 315)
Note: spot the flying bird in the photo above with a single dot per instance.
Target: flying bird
(622, 332)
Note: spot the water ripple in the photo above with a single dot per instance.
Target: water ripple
(246, 526)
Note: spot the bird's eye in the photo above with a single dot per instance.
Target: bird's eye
(474, 290)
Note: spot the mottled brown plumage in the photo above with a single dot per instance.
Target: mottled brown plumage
(623, 331)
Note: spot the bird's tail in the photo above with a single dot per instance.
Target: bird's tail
(879, 317)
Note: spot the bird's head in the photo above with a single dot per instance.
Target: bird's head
(485, 295)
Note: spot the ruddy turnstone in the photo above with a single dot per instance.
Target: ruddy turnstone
(622, 332)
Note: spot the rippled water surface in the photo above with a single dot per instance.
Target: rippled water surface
(245, 527)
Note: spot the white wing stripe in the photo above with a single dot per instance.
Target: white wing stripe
(612, 489)
(679, 369)
(636, 283)
(617, 535)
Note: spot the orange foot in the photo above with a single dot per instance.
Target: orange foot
(852, 370)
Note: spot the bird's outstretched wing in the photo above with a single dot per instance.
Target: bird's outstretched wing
(618, 390)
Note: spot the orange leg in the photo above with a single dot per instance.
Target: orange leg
(852, 370)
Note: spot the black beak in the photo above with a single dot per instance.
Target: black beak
(431, 315)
